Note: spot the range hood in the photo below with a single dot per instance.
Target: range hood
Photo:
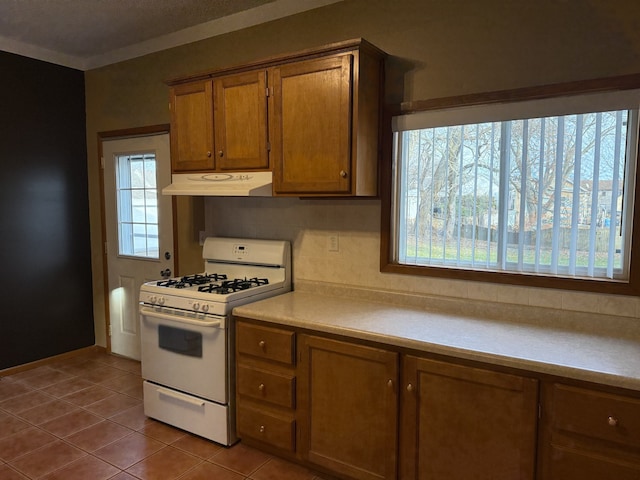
(244, 184)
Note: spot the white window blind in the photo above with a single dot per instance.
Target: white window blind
(540, 187)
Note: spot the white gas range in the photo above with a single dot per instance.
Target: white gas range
(188, 339)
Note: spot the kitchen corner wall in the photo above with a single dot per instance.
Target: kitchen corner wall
(436, 48)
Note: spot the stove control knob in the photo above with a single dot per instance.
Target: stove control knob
(205, 307)
(160, 300)
(153, 299)
(196, 306)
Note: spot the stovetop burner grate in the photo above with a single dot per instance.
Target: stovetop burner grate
(192, 280)
(235, 285)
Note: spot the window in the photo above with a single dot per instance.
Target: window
(534, 192)
(137, 199)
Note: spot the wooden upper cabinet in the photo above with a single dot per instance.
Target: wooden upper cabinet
(313, 118)
(461, 422)
(240, 119)
(324, 122)
(310, 125)
(191, 107)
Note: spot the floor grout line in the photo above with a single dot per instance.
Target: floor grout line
(84, 369)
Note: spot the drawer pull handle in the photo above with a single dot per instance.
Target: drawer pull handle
(261, 387)
(262, 429)
(262, 344)
(180, 397)
(612, 421)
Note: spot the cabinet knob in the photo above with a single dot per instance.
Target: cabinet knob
(612, 421)
(221, 154)
(261, 429)
(261, 387)
(409, 388)
(261, 344)
(343, 174)
(390, 383)
(208, 154)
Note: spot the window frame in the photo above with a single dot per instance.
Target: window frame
(630, 286)
(127, 158)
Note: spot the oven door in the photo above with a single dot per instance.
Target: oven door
(185, 353)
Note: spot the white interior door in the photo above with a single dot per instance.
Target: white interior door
(139, 229)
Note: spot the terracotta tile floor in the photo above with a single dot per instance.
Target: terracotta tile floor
(82, 418)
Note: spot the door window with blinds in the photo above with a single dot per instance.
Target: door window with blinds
(536, 187)
(137, 205)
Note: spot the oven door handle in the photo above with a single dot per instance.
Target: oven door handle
(149, 312)
(177, 396)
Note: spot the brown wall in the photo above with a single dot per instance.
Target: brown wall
(437, 48)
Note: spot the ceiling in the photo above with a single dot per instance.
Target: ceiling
(86, 34)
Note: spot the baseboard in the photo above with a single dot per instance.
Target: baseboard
(55, 358)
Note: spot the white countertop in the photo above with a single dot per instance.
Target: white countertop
(561, 349)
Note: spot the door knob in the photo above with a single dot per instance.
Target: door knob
(167, 255)
(166, 273)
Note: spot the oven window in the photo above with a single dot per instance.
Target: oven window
(179, 340)
(137, 199)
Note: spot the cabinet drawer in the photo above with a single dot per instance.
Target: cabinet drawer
(266, 386)
(276, 431)
(202, 417)
(597, 415)
(265, 342)
(567, 463)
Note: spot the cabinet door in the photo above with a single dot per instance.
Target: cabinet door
(240, 118)
(348, 407)
(310, 124)
(192, 126)
(588, 435)
(461, 422)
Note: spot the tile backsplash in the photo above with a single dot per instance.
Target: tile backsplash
(313, 226)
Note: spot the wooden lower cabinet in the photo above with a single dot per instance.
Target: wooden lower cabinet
(348, 407)
(363, 412)
(588, 435)
(266, 386)
(461, 423)
(267, 427)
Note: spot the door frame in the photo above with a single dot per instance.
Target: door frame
(117, 135)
